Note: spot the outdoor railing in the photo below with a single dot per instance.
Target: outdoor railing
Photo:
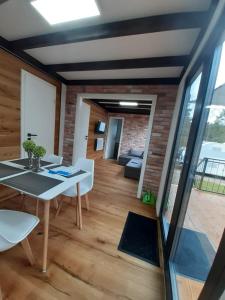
(210, 175)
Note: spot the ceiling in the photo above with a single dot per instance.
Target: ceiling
(133, 40)
(113, 106)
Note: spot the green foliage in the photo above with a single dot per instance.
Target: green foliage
(39, 151)
(149, 198)
(29, 145)
(215, 132)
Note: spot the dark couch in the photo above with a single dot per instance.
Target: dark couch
(132, 154)
(132, 162)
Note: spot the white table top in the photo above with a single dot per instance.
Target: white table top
(55, 191)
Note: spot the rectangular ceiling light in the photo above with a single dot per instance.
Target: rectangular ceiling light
(124, 103)
(60, 11)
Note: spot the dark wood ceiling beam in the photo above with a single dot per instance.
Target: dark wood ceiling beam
(129, 111)
(151, 62)
(135, 81)
(127, 106)
(123, 28)
(6, 45)
(116, 102)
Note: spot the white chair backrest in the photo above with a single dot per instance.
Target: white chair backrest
(14, 227)
(86, 165)
(55, 159)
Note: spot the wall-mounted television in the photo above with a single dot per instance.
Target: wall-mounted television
(100, 127)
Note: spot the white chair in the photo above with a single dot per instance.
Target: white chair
(55, 159)
(86, 185)
(15, 226)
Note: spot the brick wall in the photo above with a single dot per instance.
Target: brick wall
(160, 130)
(134, 131)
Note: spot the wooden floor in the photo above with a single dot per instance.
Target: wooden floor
(85, 264)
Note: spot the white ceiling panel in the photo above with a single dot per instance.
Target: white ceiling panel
(167, 43)
(124, 74)
(19, 19)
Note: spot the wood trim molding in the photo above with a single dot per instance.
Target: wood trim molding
(150, 62)
(115, 29)
(139, 81)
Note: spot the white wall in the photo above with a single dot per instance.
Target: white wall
(212, 25)
(62, 118)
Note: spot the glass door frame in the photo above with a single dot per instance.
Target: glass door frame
(208, 60)
(196, 72)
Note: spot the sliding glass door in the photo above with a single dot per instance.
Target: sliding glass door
(180, 149)
(193, 211)
(204, 220)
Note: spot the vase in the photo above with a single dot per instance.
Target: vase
(37, 164)
(30, 163)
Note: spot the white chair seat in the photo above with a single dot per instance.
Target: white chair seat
(55, 159)
(72, 192)
(15, 226)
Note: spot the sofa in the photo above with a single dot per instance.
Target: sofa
(132, 162)
(132, 154)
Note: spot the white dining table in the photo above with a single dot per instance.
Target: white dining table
(61, 184)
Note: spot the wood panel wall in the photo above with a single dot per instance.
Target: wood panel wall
(10, 89)
(97, 114)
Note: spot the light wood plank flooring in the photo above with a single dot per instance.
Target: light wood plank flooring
(85, 264)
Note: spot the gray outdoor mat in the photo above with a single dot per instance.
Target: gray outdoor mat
(8, 170)
(32, 183)
(24, 162)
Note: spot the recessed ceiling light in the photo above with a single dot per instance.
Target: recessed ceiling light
(60, 11)
(124, 103)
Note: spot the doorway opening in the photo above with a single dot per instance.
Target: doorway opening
(114, 137)
(109, 99)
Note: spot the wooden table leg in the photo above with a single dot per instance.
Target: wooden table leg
(79, 205)
(87, 201)
(46, 230)
(77, 212)
(37, 208)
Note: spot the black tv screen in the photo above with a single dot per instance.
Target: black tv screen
(100, 127)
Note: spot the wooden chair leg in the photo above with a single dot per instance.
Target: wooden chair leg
(56, 204)
(77, 213)
(22, 202)
(27, 249)
(79, 206)
(87, 202)
(37, 208)
(59, 207)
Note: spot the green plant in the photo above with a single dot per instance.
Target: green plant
(149, 198)
(39, 151)
(29, 146)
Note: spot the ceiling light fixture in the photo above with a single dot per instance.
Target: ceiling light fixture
(124, 103)
(61, 11)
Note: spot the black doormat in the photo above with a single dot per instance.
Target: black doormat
(194, 255)
(140, 238)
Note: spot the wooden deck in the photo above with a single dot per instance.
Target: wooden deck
(85, 264)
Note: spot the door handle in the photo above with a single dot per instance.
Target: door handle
(29, 135)
(86, 137)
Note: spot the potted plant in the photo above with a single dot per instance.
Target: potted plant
(29, 147)
(38, 153)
